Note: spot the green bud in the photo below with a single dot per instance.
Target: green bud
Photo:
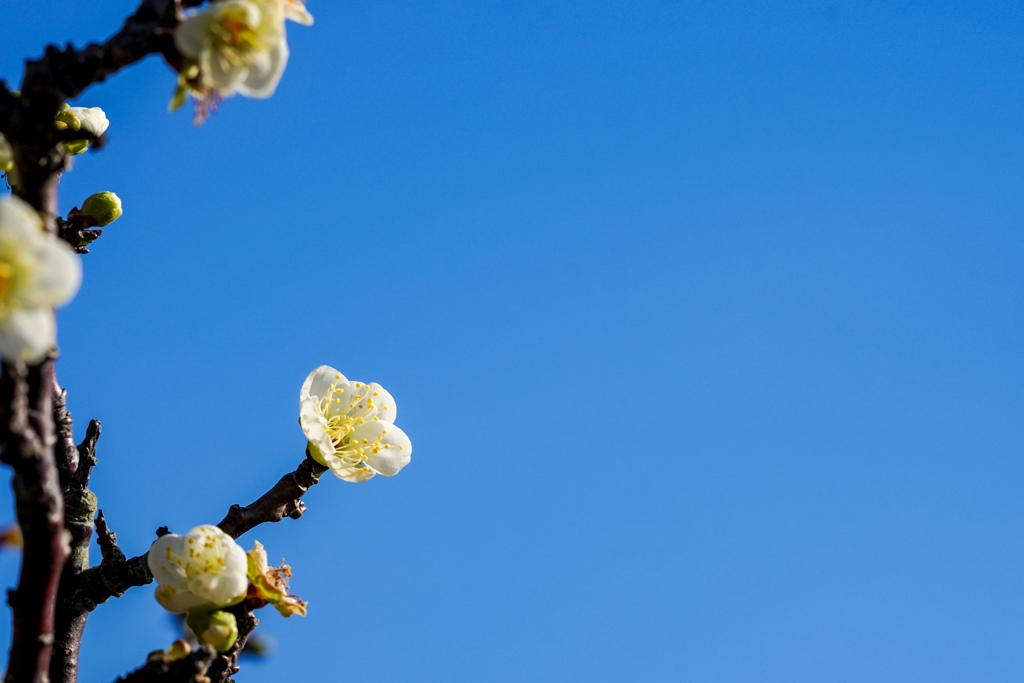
(179, 649)
(102, 208)
(217, 629)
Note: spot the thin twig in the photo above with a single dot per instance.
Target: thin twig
(283, 500)
(115, 575)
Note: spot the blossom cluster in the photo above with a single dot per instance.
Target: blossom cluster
(205, 571)
(231, 46)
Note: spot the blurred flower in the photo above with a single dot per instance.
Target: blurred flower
(37, 272)
(200, 571)
(10, 537)
(92, 120)
(239, 46)
(270, 584)
(350, 426)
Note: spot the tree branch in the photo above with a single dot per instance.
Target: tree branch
(64, 450)
(26, 444)
(189, 669)
(79, 509)
(115, 575)
(283, 500)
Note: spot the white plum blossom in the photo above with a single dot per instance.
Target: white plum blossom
(90, 119)
(350, 426)
(201, 571)
(37, 272)
(239, 45)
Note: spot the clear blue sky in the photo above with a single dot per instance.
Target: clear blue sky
(704, 319)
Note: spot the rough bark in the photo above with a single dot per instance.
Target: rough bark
(26, 445)
(27, 433)
(79, 510)
(190, 669)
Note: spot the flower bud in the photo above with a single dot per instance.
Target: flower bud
(217, 629)
(102, 209)
(90, 119)
(179, 649)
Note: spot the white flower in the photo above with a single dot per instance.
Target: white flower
(240, 45)
(200, 571)
(37, 272)
(350, 426)
(90, 119)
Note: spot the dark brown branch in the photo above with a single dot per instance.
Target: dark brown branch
(111, 577)
(79, 509)
(283, 500)
(190, 669)
(26, 445)
(115, 575)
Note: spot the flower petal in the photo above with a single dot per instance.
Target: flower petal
(191, 34)
(92, 119)
(219, 72)
(220, 589)
(56, 274)
(391, 448)
(161, 561)
(319, 381)
(177, 601)
(368, 401)
(347, 472)
(265, 71)
(312, 424)
(297, 12)
(17, 217)
(384, 402)
(27, 334)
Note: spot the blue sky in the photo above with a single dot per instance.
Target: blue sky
(704, 320)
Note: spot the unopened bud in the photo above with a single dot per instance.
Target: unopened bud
(102, 208)
(90, 119)
(179, 649)
(217, 629)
